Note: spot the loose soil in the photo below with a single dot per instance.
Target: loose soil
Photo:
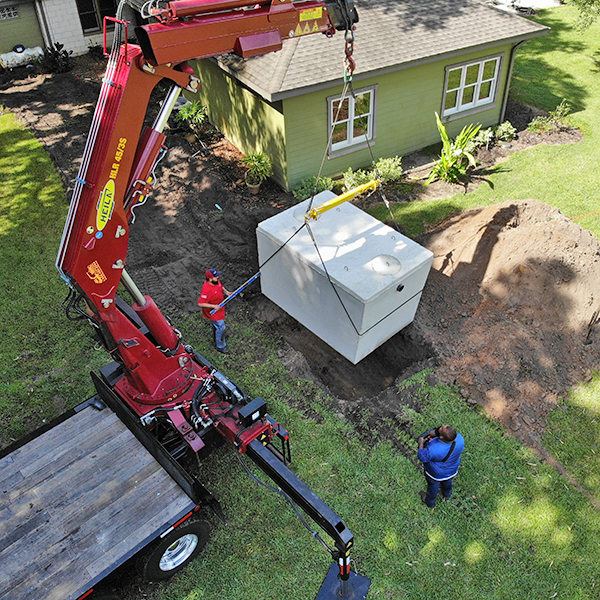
(507, 313)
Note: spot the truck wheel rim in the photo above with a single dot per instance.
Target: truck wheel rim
(178, 552)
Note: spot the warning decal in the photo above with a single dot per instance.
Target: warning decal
(311, 13)
(95, 272)
(306, 29)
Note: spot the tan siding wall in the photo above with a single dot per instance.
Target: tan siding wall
(21, 30)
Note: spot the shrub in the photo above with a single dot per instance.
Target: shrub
(385, 170)
(485, 137)
(553, 122)
(310, 186)
(96, 51)
(505, 132)
(192, 113)
(56, 59)
(259, 167)
(389, 169)
(353, 179)
(455, 157)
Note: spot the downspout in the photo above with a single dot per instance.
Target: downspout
(508, 78)
(43, 21)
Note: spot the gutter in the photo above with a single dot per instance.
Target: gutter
(43, 22)
(508, 78)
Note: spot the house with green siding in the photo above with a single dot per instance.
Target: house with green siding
(413, 58)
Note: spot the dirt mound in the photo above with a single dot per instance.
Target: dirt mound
(509, 306)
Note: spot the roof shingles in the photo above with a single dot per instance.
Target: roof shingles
(391, 34)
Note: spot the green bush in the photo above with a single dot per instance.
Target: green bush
(555, 120)
(455, 158)
(505, 132)
(485, 137)
(310, 186)
(193, 113)
(385, 170)
(259, 167)
(389, 169)
(353, 179)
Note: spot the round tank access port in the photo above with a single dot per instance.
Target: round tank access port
(386, 265)
(299, 214)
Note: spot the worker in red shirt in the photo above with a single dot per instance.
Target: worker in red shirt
(212, 294)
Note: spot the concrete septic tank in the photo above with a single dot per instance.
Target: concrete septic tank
(370, 287)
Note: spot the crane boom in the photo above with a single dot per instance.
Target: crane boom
(162, 381)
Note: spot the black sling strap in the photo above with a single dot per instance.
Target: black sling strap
(449, 452)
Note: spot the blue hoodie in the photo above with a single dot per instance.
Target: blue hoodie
(434, 453)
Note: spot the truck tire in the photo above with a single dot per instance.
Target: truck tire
(173, 552)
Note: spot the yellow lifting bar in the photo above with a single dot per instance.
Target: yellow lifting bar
(361, 189)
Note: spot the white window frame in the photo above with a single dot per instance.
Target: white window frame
(461, 105)
(352, 143)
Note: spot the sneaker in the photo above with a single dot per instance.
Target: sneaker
(223, 351)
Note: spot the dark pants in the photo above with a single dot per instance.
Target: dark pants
(433, 487)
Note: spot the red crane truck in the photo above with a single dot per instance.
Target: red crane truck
(105, 480)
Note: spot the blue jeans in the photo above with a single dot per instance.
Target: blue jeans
(433, 487)
(219, 333)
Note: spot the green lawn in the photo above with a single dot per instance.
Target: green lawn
(42, 355)
(515, 528)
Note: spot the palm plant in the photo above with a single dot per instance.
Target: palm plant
(259, 167)
(454, 159)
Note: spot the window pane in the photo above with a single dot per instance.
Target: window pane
(343, 111)
(107, 9)
(472, 74)
(360, 127)
(468, 94)
(85, 6)
(454, 79)
(489, 68)
(89, 22)
(340, 133)
(450, 100)
(485, 90)
(363, 104)
(107, 6)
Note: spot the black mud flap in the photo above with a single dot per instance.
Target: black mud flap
(333, 588)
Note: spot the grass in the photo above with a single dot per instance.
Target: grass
(42, 355)
(515, 527)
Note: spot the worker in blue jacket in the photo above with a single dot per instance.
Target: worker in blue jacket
(439, 451)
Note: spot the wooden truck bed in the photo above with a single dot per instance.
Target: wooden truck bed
(75, 503)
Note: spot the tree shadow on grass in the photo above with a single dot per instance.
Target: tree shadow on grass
(537, 81)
